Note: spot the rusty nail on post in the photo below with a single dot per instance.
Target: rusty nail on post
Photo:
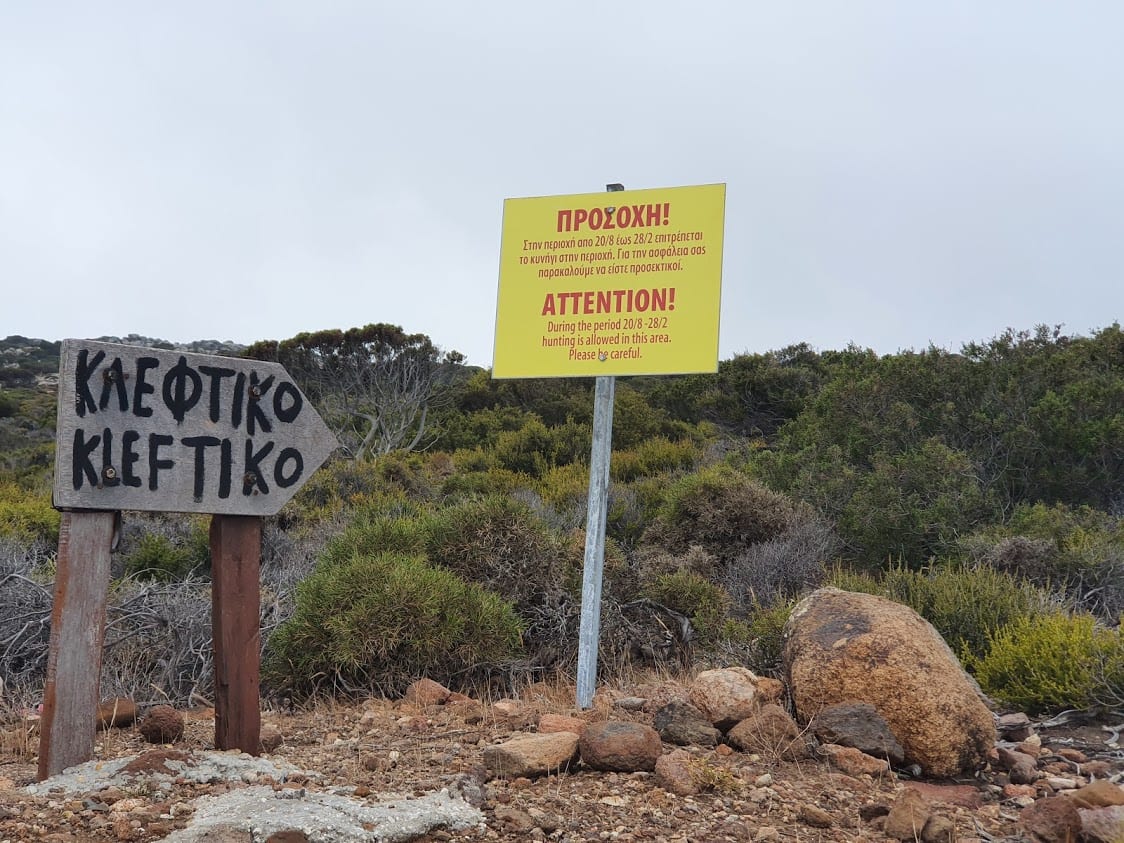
(109, 473)
(255, 392)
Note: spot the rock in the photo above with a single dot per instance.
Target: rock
(1022, 768)
(770, 731)
(116, 713)
(550, 723)
(425, 692)
(620, 746)
(725, 696)
(1025, 772)
(531, 755)
(685, 725)
(1102, 825)
(939, 829)
(514, 819)
(1014, 727)
(162, 724)
(815, 816)
(673, 773)
(845, 647)
(225, 834)
(290, 836)
(854, 762)
(512, 712)
(858, 725)
(270, 738)
(630, 703)
(907, 816)
(470, 787)
(770, 690)
(1098, 794)
(1051, 820)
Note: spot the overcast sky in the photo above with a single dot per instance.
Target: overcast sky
(898, 173)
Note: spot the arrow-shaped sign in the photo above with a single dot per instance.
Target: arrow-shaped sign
(147, 429)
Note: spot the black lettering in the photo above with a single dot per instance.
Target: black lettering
(225, 459)
(142, 388)
(236, 408)
(176, 397)
(253, 476)
(155, 464)
(258, 389)
(287, 454)
(128, 457)
(216, 375)
(112, 377)
(84, 399)
(81, 465)
(200, 444)
(290, 413)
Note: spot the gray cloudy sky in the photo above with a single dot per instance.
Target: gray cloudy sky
(898, 173)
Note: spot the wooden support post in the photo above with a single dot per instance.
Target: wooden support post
(70, 697)
(236, 629)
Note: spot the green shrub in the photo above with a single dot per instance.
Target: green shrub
(375, 622)
(766, 636)
(965, 605)
(688, 593)
(155, 556)
(722, 510)
(26, 515)
(654, 456)
(500, 543)
(1053, 662)
(565, 486)
(1078, 550)
(489, 481)
(375, 531)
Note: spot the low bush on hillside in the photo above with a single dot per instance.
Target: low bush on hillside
(377, 621)
(967, 606)
(1077, 550)
(1053, 662)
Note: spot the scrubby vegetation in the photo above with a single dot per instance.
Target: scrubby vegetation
(984, 488)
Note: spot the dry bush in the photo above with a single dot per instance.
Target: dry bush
(25, 614)
(783, 566)
(158, 641)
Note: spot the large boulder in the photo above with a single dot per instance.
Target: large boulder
(841, 646)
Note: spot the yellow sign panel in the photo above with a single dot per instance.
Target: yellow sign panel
(624, 283)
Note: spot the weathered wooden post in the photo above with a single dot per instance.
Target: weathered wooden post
(146, 429)
(70, 697)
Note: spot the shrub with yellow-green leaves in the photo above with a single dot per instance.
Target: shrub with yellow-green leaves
(688, 593)
(1056, 661)
(966, 605)
(27, 516)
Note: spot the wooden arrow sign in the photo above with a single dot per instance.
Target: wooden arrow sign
(146, 429)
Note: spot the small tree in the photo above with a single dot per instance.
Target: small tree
(375, 385)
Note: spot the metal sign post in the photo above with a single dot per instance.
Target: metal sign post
(589, 633)
(590, 630)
